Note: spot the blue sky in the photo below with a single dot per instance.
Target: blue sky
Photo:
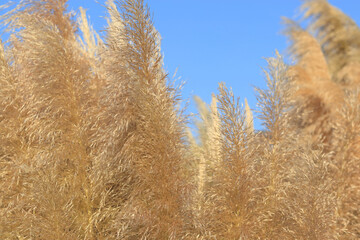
(212, 41)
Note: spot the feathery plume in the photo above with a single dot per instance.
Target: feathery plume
(141, 133)
(249, 118)
(54, 80)
(339, 38)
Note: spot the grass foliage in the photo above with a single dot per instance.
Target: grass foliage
(94, 145)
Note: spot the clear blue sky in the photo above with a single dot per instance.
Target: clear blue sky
(212, 41)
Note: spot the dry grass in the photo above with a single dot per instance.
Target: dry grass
(94, 145)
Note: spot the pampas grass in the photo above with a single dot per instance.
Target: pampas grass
(94, 145)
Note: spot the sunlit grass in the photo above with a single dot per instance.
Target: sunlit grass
(93, 144)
